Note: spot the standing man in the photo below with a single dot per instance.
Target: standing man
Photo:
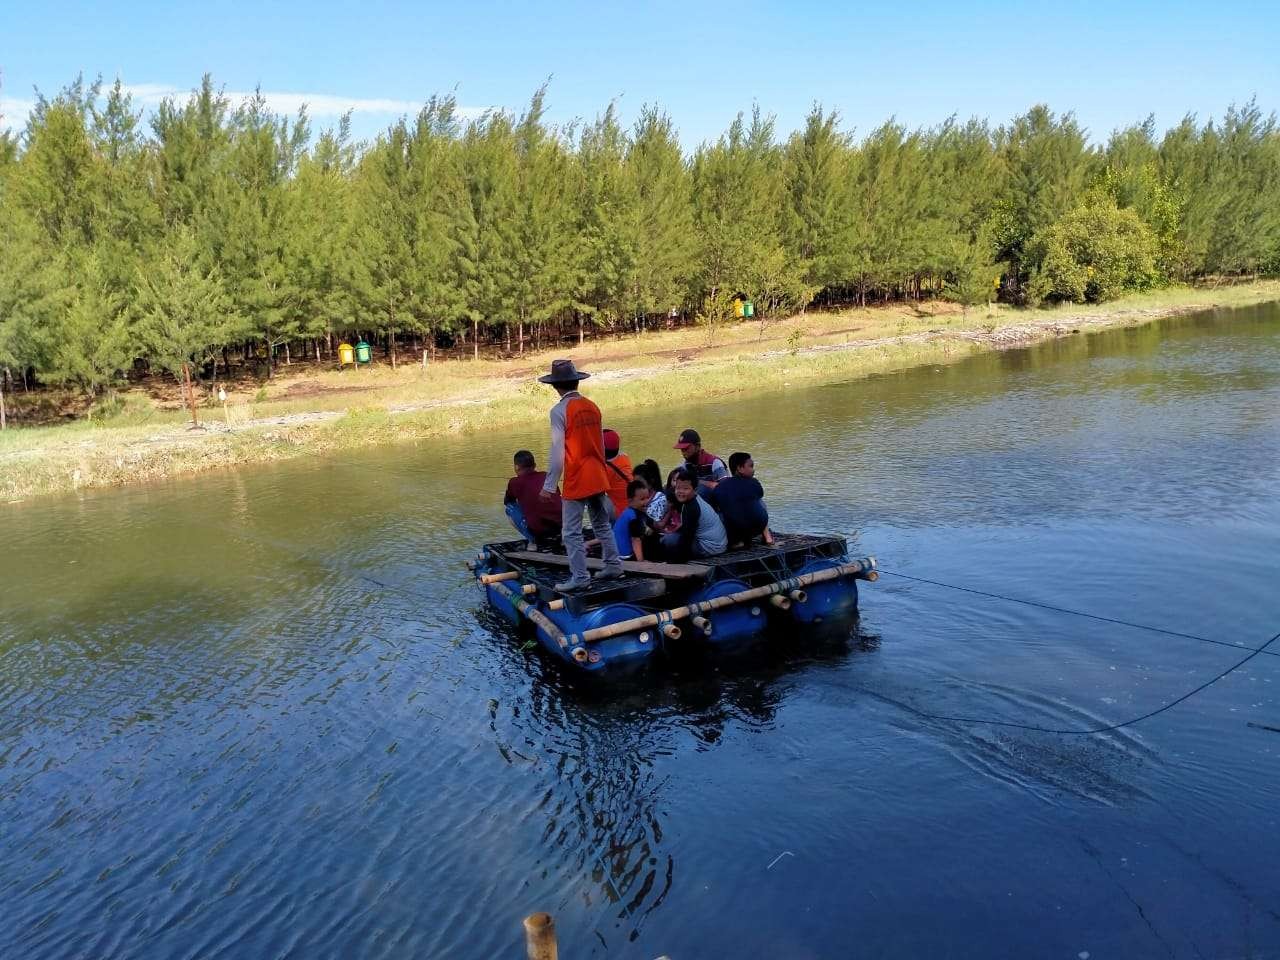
(577, 452)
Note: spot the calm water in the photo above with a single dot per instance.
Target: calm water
(262, 714)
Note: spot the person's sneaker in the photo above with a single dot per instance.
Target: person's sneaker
(608, 574)
(568, 586)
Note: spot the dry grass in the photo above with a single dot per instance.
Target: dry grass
(318, 411)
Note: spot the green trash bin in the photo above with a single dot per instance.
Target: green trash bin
(364, 353)
(748, 309)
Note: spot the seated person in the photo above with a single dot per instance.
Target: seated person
(647, 470)
(618, 469)
(535, 518)
(709, 468)
(740, 500)
(629, 528)
(701, 533)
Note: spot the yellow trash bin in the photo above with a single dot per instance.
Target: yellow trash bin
(346, 354)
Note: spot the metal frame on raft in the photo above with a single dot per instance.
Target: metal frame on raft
(520, 582)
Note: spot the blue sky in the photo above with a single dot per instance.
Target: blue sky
(1112, 63)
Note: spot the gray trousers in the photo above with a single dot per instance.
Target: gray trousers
(600, 509)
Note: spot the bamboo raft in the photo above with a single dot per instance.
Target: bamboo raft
(721, 602)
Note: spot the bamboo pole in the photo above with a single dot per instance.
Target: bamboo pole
(798, 596)
(671, 631)
(556, 604)
(529, 589)
(540, 937)
(781, 602)
(533, 613)
(855, 568)
(488, 578)
(702, 623)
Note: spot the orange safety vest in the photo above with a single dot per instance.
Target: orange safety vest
(620, 474)
(585, 473)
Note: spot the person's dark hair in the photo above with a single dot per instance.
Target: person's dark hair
(737, 460)
(648, 471)
(636, 485)
(684, 474)
(524, 460)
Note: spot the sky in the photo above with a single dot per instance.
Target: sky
(1111, 63)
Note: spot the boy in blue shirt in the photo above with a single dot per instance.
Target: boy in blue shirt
(740, 501)
(629, 528)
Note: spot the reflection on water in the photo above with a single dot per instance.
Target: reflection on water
(265, 713)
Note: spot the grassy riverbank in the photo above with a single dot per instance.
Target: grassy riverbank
(314, 411)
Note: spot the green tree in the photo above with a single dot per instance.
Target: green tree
(661, 209)
(184, 311)
(817, 220)
(1046, 163)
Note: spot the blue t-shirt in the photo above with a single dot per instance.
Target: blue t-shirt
(740, 501)
(622, 528)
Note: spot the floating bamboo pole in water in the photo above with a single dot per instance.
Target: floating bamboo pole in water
(540, 937)
(532, 612)
(856, 568)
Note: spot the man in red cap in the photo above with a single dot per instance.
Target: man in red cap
(710, 468)
(577, 454)
(620, 474)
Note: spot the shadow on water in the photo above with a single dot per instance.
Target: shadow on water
(605, 742)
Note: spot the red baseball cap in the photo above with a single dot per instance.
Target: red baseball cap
(612, 441)
(688, 438)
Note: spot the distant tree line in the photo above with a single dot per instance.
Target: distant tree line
(220, 232)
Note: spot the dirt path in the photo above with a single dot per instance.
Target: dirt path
(115, 455)
(1012, 336)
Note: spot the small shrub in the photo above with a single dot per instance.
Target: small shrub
(1097, 252)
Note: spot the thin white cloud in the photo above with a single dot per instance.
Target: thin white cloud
(150, 95)
(13, 112)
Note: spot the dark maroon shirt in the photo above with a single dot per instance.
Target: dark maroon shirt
(542, 516)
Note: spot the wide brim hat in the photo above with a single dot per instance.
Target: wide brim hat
(563, 371)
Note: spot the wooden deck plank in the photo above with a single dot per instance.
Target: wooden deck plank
(672, 571)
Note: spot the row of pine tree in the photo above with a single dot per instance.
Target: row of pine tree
(216, 232)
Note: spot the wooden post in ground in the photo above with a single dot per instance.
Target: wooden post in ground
(540, 937)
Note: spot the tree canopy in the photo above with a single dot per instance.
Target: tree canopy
(214, 231)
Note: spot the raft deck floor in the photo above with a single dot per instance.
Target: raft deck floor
(643, 580)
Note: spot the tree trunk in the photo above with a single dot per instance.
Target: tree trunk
(316, 344)
(475, 339)
(508, 329)
(582, 331)
(3, 422)
(191, 397)
(288, 357)
(520, 337)
(391, 342)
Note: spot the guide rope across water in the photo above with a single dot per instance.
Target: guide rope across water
(1088, 731)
